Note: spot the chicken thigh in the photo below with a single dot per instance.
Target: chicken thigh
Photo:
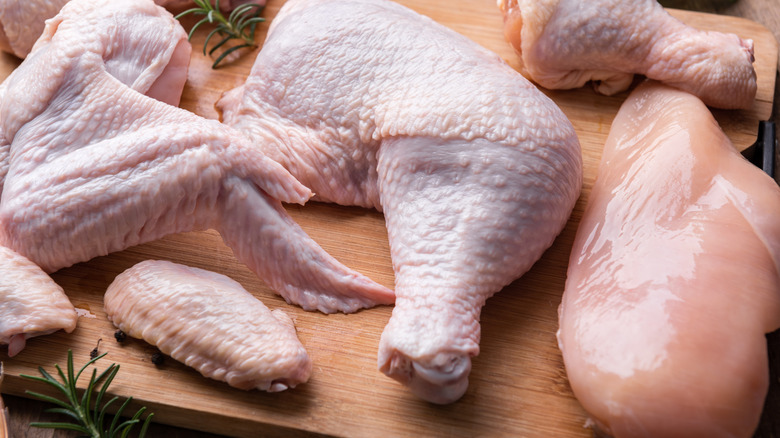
(674, 277)
(476, 171)
(208, 322)
(565, 43)
(95, 166)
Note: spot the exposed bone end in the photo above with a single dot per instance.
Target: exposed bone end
(716, 67)
(442, 380)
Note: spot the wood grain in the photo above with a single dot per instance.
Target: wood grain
(518, 385)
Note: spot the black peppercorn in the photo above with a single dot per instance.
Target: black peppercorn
(158, 358)
(120, 336)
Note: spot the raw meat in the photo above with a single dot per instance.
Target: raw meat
(22, 21)
(95, 166)
(673, 278)
(31, 303)
(475, 170)
(565, 43)
(208, 322)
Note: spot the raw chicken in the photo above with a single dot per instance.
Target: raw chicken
(475, 170)
(22, 21)
(208, 322)
(95, 166)
(31, 303)
(565, 43)
(673, 278)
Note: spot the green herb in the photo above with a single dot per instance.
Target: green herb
(239, 25)
(87, 420)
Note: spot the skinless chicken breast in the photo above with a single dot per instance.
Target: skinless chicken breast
(673, 278)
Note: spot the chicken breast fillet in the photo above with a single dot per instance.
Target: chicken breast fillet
(476, 171)
(565, 43)
(94, 166)
(674, 277)
(31, 303)
(208, 322)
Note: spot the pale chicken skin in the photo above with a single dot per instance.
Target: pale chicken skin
(674, 278)
(95, 166)
(565, 43)
(31, 303)
(208, 322)
(476, 171)
(22, 21)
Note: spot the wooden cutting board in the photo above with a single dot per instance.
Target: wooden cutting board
(518, 385)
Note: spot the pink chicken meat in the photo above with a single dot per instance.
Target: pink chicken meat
(476, 171)
(565, 43)
(674, 277)
(208, 322)
(95, 166)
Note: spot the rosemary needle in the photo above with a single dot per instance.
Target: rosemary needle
(239, 25)
(87, 418)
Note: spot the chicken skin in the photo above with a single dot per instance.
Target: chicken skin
(31, 303)
(565, 43)
(674, 278)
(22, 21)
(475, 170)
(95, 166)
(208, 322)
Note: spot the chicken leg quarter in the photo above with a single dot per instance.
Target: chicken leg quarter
(94, 166)
(476, 171)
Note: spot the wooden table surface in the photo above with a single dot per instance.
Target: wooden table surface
(767, 12)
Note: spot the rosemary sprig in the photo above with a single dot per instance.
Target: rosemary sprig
(239, 25)
(87, 420)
